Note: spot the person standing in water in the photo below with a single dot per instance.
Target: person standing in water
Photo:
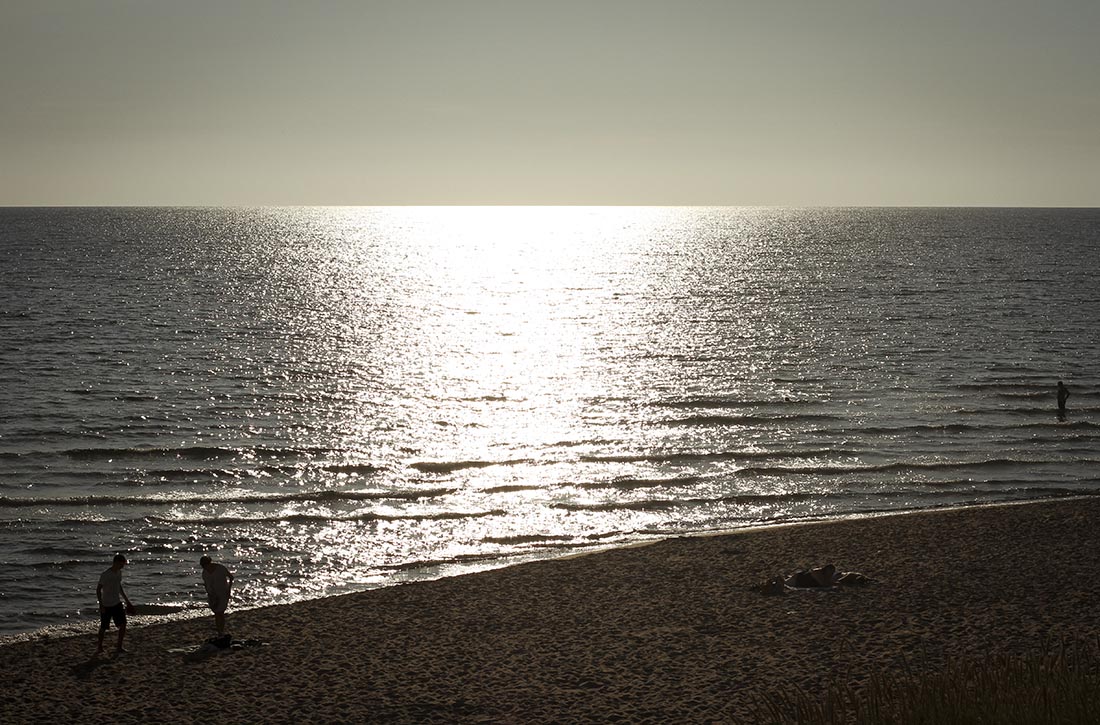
(110, 595)
(1063, 393)
(218, 581)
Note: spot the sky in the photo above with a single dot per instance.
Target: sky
(777, 102)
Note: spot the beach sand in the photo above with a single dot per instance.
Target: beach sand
(670, 632)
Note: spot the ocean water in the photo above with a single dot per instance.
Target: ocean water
(331, 399)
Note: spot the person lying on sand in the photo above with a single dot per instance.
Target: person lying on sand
(824, 577)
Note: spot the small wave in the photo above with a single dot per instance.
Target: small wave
(707, 402)
(1068, 443)
(602, 535)
(1054, 423)
(1049, 423)
(247, 470)
(159, 609)
(63, 552)
(644, 505)
(197, 453)
(917, 428)
(1024, 409)
(714, 420)
(306, 451)
(525, 539)
(51, 565)
(835, 470)
(200, 476)
(512, 488)
(363, 468)
(488, 398)
(675, 457)
(452, 466)
(628, 483)
(942, 491)
(256, 498)
(590, 442)
(1012, 484)
(429, 563)
(307, 518)
(137, 398)
(192, 475)
(666, 504)
(1006, 493)
(998, 386)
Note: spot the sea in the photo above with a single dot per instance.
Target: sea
(329, 400)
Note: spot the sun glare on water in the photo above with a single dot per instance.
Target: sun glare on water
(480, 350)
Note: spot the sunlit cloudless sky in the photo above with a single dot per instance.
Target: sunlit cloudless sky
(800, 102)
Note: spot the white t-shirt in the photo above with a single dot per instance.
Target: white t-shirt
(216, 581)
(110, 587)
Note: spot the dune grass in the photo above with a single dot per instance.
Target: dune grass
(1059, 683)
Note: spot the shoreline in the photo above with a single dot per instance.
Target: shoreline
(79, 628)
(671, 630)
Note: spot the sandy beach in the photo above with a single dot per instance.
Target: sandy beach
(670, 632)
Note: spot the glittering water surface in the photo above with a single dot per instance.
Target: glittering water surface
(330, 399)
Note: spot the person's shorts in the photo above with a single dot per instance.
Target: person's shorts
(117, 613)
(217, 603)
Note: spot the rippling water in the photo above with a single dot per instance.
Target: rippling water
(328, 399)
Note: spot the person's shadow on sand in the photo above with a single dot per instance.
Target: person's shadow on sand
(84, 670)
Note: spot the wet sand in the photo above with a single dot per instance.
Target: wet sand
(670, 632)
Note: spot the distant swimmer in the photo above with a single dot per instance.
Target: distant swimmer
(218, 581)
(1063, 393)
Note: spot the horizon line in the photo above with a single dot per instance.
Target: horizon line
(544, 205)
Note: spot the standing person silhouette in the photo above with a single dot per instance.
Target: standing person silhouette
(1063, 393)
(218, 581)
(110, 595)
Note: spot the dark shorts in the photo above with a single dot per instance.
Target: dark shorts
(117, 613)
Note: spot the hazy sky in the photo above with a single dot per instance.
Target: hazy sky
(951, 102)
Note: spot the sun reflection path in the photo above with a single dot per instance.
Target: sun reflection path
(486, 306)
(480, 347)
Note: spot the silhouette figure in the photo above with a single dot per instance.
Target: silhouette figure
(1063, 393)
(218, 581)
(110, 595)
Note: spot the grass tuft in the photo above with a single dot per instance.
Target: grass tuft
(1059, 683)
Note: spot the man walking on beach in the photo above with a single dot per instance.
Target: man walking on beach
(218, 581)
(110, 595)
